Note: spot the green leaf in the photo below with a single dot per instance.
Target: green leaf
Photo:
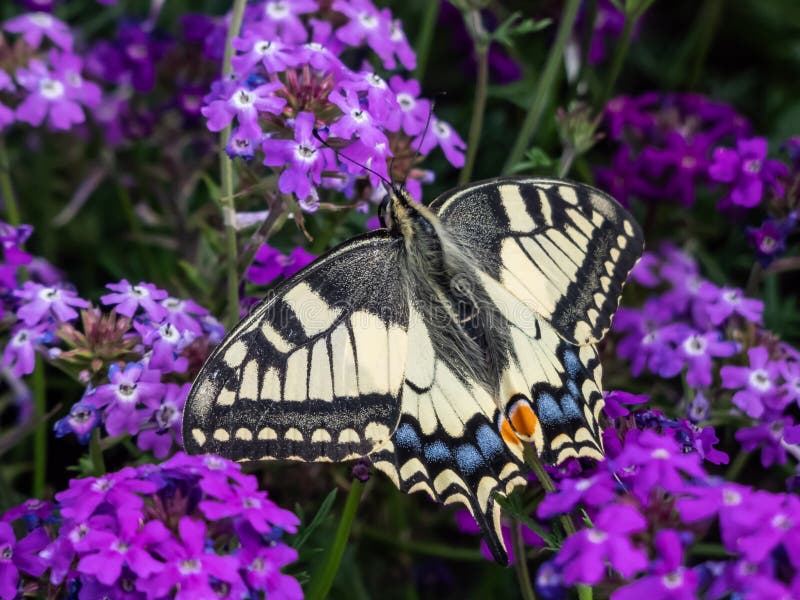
(324, 510)
(513, 27)
(514, 506)
(534, 158)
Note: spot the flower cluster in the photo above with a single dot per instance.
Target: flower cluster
(47, 84)
(292, 98)
(649, 484)
(136, 360)
(195, 527)
(668, 146)
(713, 337)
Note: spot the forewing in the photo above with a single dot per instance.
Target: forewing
(562, 248)
(448, 443)
(315, 372)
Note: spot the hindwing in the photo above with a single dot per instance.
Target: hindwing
(562, 248)
(316, 371)
(448, 443)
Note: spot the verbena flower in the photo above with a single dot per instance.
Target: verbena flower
(41, 302)
(748, 171)
(35, 26)
(127, 298)
(19, 556)
(756, 384)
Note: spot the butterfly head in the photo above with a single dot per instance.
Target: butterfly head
(396, 208)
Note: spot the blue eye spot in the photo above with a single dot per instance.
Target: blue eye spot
(572, 363)
(468, 458)
(570, 408)
(406, 437)
(488, 441)
(547, 409)
(437, 452)
(573, 389)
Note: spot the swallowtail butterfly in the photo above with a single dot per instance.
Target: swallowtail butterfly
(436, 345)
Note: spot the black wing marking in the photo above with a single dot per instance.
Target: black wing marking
(562, 248)
(316, 371)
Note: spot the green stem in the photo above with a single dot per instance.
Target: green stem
(545, 86)
(620, 52)
(226, 178)
(7, 188)
(584, 592)
(481, 87)
(521, 562)
(96, 453)
(323, 579)
(565, 162)
(40, 433)
(707, 22)
(425, 38)
(732, 474)
(424, 548)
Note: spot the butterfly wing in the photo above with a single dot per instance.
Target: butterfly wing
(448, 443)
(564, 249)
(315, 372)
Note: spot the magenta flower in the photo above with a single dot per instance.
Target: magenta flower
(668, 578)
(127, 298)
(247, 502)
(414, 111)
(37, 25)
(237, 100)
(83, 417)
(769, 437)
(366, 24)
(721, 303)
(443, 135)
(597, 490)
(280, 19)
(190, 566)
(20, 352)
(167, 419)
(50, 96)
(698, 349)
(42, 302)
(258, 48)
(467, 524)
(184, 314)
(615, 399)
(756, 384)
(121, 490)
(356, 120)
(769, 239)
(585, 554)
(261, 566)
(748, 171)
(127, 398)
(305, 156)
(19, 556)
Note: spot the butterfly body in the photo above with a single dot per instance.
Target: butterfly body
(437, 345)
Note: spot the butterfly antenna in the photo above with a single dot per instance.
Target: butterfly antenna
(387, 184)
(424, 133)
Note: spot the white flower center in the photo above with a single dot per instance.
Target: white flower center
(251, 503)
(688, 162)
(583, 485)
(277, 10)
(731, 498)
(51, 89)
(137, 51)
(265, 47)
(169, 333)
(189, 566)
(759, 379)
(102, 485)
(596, 536)
(673, 580)
(752, 166)
(367, 20)
(376, 81)
(41, 19)
(305, 153)
(126, 392)
(695, 345)
(21, 338)
(120, 546)
(732, 297)
(406, 101)
(138, 291)
(243, 99)
(660, 453)
(397, 33)
(172, 304)
(359, 115)
(781, 521)
(49, 294)
(442, 130)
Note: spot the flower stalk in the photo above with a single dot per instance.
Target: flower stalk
(226, 178)
(39, 390)
(480, 40)
(547, 82)
(7, 188)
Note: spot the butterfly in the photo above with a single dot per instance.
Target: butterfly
(437, 345)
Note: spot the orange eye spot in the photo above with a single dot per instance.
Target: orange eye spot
(524, 420)
(508, 433)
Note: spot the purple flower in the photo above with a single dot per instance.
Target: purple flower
(43, 301)
(52, 95)
(584, 555)
(769, 437)
(189, 565)
(615, 399)
(414, 111)
(244, 500)
(82, 419)
(20, 352)
(721, 303)
(261, 566)
(121, 490)
(748, 171)
(238, 100)
(280, 19)
(769, 239)
(305, 156)
(597, 490)
(444, 136)
(698, 349)
(167, 419)
(756, 384)
(366, 24)
(19, 556)
(184, 314)
(110, 551)
(125, 399)
(165, 343)
(356, 120)
(467, 524)
(668, 578)
(127, 298)
(37, 25)
(258, 47)
(660, 463)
